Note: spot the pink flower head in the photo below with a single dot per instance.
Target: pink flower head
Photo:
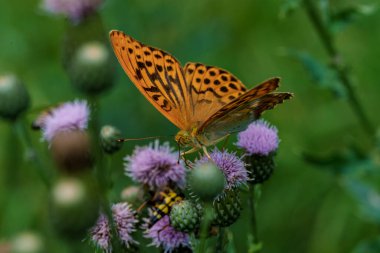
(259, 138)
(230, 164)
(125, 222)
(165, 236)
(73, 9)
(69, 116)
(155, 166)
(101, 234)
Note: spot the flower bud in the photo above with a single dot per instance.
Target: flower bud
(109, 137)
(72, 150)
(74, 206)
(261, 167)
(207, 181)
(91, 69)
(227, 208)
(185, 216)
(14, 98)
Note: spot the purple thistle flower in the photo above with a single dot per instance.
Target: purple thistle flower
(230, 164)
(259, 138)
(67, 117)
(165, 236)
(73, 9)
(101, 234)
(125, 222)
(156, 166)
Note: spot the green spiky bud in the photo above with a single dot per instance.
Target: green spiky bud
(185, 216)
(207, 181)
(261, 167)
(109, 137)
(227, 208)
(14, 98)
(91, 69)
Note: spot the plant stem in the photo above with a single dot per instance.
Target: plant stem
(205, 225)
(221, 241)
(30, 152)
(101, 173)
(253, 223)
(337, 64)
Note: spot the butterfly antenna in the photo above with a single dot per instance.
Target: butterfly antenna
(179, 152)
(143, 138)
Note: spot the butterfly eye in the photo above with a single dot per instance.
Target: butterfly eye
(183, 138)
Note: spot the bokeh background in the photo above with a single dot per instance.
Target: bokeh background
(322, 196)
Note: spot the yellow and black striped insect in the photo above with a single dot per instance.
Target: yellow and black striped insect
(39, 122)
(162, 202)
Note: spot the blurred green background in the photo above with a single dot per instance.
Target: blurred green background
(303, 207)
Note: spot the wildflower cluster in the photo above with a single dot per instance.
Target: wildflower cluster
(175, 194)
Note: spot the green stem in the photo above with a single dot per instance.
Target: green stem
(101, 172)
(337, 64)
(205, 225)
(31, 153)
(221, 241)
(255, 245)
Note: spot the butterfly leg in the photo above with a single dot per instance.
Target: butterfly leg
(187, 163)
(192, 150)
(183, 156)
(206, 153)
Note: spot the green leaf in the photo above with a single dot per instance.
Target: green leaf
(367, 196)
(368, 246)
(340, 19)
(288, 6)
(254, 247)
(320, 73)
(349, 161)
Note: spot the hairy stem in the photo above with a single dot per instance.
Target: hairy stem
(337, 64)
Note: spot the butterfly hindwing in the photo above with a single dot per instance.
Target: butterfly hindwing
(236, 115)
(157, 74)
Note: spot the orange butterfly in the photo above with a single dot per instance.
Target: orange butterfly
(207, 103)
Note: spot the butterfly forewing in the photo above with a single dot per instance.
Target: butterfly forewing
(210, 88)
(157, 74)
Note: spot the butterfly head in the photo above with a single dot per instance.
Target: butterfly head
(184, 138)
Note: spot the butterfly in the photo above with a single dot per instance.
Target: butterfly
(206, 103)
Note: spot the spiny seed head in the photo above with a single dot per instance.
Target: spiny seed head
(185, 216)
